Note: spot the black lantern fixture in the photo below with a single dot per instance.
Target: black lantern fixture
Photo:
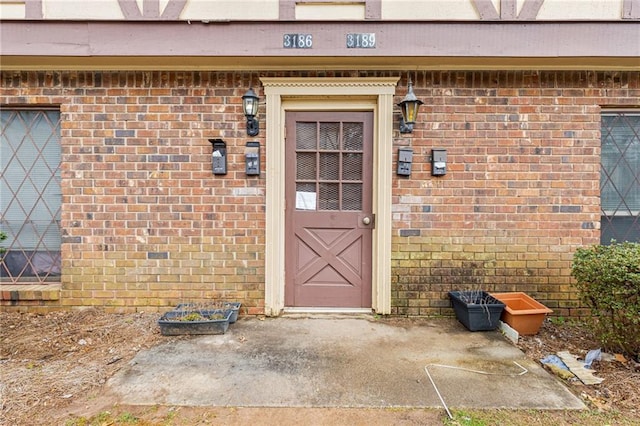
(409, 107)
(250, 108)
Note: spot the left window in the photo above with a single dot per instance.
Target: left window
(30, 196)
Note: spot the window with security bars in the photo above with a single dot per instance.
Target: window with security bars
(30, 196)
(329, 165)
(620, 177)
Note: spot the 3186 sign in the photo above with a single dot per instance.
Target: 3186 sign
(297, 41)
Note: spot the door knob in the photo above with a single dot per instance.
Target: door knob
(366, 220)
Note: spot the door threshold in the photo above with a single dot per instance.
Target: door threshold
(312, 310)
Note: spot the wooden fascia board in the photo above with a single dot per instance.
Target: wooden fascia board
(260, 44)
(181, 63)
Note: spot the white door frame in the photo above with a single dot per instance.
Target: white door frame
(341, 94)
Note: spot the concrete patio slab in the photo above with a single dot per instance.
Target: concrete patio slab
(341, 361)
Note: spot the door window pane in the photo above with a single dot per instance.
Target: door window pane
(351, 166)
(306, 166)
(338, 159)
(329, 136)
(329, 196)
(329, 166)
(353, 136)
(352, 197)
(305, 135)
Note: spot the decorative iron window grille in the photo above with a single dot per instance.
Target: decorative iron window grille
(30, 195)
(620, 177)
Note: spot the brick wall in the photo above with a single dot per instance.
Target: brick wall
(522, 188)
(146, 225)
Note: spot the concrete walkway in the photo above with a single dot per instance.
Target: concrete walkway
(325, 361)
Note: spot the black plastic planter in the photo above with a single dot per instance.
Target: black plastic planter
(476, 310)
(179, 322)
(234, 306)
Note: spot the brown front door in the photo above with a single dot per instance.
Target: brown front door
(329, 216)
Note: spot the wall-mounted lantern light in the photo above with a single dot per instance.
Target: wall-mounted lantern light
(409, 107)
(250, 108)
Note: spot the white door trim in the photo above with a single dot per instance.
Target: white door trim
(343, 94)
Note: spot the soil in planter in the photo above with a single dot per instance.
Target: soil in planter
(220, 304)
(196, 316)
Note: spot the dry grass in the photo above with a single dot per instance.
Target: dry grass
(49, 360)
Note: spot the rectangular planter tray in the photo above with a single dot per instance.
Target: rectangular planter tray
(482, 315)
(234, 306)
(522, 312)
(171, 325)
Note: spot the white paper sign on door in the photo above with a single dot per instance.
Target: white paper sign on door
(305, 200)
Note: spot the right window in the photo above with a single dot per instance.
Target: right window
(620, 177)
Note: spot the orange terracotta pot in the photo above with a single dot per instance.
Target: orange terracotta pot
(522, 312)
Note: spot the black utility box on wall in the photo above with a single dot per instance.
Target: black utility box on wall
(219, 157)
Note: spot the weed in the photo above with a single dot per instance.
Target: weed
(171, 415)
(80, 421)
(102, 417)
(558, 320)
(464, 418)
(504, 417)
(127, 418)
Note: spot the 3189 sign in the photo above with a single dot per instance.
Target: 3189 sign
(361, 41)
(297, 41)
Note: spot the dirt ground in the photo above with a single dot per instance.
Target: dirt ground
(56, 364)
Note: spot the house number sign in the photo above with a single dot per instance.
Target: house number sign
(305, 41)
(361, 41)
(297, 41)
